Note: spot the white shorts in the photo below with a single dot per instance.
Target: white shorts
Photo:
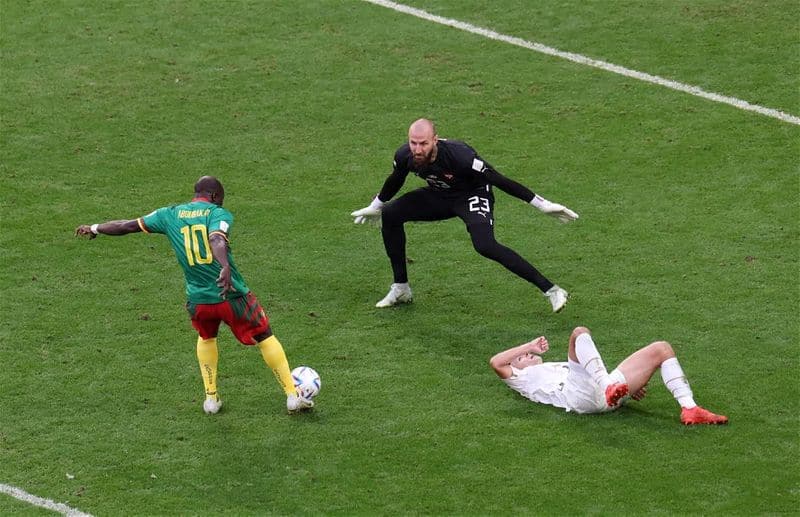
(583, 394)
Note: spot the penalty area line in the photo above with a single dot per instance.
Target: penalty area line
(24, 496)
(587, 61)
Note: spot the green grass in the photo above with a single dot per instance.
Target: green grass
(688, 232)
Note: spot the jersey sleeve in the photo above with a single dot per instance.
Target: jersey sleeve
(220, 222)
(464, 159)
(154, 222)
(518, 381)
(504, 183)
(508, 185)
(469, 162)
(397, 178)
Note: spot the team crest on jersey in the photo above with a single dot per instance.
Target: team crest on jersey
(447, 175)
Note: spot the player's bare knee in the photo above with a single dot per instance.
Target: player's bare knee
(577, 331)
(663, 349)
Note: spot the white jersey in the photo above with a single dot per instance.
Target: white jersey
(543, 383)
(565, 385)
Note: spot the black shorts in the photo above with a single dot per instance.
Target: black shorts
(427, 204)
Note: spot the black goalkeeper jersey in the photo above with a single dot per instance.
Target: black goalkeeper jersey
(456, 170)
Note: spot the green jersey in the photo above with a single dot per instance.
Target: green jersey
(188, 228)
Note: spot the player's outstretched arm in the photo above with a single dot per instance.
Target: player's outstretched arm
(122, 227)
(522, 192)
(560, 212)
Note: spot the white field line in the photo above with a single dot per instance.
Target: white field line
(583, 60)
(22, 495)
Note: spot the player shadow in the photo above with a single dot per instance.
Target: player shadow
(619, 424)
(316, 415)
(635, 416)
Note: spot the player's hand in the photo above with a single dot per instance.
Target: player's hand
(224, 282)
(556, 210)
(366, 215)
(85, 230)
(369, 214)
(539, 345)
(639, 395)
(562, 213)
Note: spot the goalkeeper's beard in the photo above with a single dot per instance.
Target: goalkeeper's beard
(423, 159)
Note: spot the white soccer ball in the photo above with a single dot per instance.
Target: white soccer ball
(307, 381)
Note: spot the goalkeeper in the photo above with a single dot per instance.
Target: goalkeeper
(459, 185)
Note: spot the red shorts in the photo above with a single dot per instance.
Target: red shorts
(243, 315)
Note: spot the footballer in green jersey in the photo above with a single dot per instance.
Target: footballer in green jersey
(188, 228)
(216, 292)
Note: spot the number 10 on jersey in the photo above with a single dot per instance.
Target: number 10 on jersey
(192, 236)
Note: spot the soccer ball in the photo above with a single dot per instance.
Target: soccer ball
(307, 381)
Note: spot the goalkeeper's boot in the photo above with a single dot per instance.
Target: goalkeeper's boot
(398, 293)
(615, 392)
(698, 415)
(558, 297)
(297, 403)
(212, 405)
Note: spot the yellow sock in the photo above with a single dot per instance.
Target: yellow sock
(274, 356)
(208, 357)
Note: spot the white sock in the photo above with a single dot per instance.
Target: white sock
(591, 361)
(676, 383)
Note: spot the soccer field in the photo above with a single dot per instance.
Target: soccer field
(689, 232)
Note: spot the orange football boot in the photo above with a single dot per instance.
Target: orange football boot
(698, 415)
